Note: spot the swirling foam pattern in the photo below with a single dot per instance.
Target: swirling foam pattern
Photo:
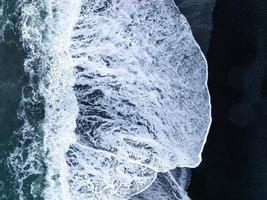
(140, 84)
(125, 91)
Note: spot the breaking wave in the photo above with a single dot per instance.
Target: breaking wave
(117, 93)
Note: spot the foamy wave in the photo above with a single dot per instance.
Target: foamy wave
(141, 83)
(141, 86)
(61, 104)
(100, 175)
(124, 90)
(171, 185)
(45, 33)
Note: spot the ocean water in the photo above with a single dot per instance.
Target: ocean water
(102, 99)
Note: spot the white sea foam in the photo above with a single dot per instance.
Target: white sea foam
(61, 105)
(141, 83)
(46, 28)
(171, 185)
(139, 104)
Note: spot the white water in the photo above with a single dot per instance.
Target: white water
(61, 104)
(141, 83)
(46, 28)
(171, 185)
(139, 104)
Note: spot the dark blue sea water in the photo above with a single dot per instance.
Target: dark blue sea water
(12, 79)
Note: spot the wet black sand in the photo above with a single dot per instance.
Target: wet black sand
(234, 165)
